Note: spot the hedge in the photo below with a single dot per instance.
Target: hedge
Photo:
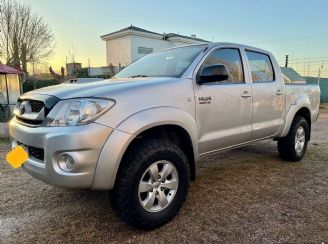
(4, 113)
(29, 85)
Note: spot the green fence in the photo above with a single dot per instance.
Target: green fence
(323, 87)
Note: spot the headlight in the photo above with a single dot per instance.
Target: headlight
(77, 111)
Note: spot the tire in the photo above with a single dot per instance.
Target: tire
(289, 147)
(137, 170)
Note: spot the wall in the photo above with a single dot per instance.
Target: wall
(4, 130)
(140, 41)
(323, 87)
(124, 49)
(94, 71)
(118, 51)
(155, 44)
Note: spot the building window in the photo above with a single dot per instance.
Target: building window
(145, 50)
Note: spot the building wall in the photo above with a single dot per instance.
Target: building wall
(118, 50)
(126, 49)
(70, 67)
(145, 42)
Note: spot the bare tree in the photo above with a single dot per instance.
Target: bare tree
(72, 53)
(24, 36)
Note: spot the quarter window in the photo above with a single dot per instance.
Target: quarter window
(261, 67)
(229, 57)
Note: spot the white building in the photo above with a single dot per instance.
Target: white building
(129, 44)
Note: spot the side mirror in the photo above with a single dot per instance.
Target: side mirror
(213, 73)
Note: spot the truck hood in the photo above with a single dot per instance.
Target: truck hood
(107, 88)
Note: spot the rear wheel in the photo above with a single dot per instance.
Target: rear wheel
(294, 145)
(152, 184)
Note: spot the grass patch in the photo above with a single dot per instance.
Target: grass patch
(4, 141)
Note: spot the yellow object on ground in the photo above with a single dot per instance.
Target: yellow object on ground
(17, 157)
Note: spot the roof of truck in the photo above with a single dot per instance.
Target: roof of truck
(237, 44)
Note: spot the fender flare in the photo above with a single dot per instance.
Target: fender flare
(149, 118)
(121, 137)
(302, 102)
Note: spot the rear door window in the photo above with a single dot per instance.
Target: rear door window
(261, 67)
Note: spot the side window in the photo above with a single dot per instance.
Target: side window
(231, 59)
(261, 67)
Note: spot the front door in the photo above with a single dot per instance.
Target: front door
(224, 109)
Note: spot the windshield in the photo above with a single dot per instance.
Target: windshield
(168, 63)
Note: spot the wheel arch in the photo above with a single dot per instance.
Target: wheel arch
(168, 123)
(302, 111)
(172, 132)
(178, 125)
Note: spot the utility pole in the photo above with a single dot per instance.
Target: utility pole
(319, 74)
(286, 64)
(88, 66)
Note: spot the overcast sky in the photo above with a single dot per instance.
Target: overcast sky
(296, 27)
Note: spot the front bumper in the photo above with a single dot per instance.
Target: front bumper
(82, 143)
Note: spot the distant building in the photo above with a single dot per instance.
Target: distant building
(99, 71)
(70, 67)
(291, 76)
(129, 44)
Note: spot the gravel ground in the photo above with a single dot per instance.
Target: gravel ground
(245, 195)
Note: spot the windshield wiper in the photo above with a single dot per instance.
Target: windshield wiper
(136, 76)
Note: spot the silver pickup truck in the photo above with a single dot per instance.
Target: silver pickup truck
(141, 133)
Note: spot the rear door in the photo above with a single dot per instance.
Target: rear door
(224, 109)
(268, 95)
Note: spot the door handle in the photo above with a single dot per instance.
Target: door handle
(246, 94)
(279, 92)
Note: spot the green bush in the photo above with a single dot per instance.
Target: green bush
(4, 113)
(81, 73)
(29, 84)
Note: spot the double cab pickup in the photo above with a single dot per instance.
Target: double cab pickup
(141, 133)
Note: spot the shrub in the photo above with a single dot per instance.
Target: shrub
(4, 113)
(29, 84)
(81, 73)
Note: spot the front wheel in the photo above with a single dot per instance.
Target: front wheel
(152, 184)
(293, 146)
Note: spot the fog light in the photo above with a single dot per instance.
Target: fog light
(66, 162)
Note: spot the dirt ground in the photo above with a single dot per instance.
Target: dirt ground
(245, 195)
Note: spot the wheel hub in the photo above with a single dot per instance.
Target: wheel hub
(299, 139)
(158, 185)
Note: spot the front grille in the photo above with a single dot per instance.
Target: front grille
(29, 122)
(36, 108)
(34, 152)
(36, 105)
